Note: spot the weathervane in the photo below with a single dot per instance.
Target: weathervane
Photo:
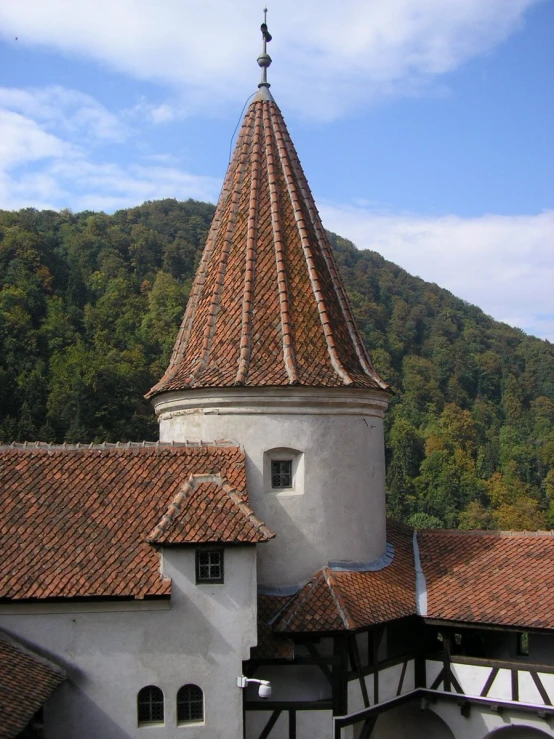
(264, 60)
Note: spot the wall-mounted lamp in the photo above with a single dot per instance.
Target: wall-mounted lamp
(264, 691)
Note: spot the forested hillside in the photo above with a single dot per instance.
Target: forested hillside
(90, 305)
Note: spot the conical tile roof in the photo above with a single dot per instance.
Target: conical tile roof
(267, 307)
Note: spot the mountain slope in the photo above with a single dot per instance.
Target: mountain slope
(89, 309)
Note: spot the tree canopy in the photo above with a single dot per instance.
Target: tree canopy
(90, 305)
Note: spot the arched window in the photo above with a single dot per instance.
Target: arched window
(190, 704)
(150, 705)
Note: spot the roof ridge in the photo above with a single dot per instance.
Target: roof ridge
(239, 501)
(215, 297)
(297, 600)
(34, 446)
(26, 649)
(251, 253)
(185, 329)
(288, 344)
(173, 511)
(334, 587)
(483, 533)
(176, 506)
(307, 249)
(359, 347)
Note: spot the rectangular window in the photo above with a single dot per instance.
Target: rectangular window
(209, 565)
(281, 473)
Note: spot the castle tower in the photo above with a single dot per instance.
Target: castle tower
(268, 355)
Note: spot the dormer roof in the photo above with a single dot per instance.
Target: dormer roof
(85, 521)
(267, 307)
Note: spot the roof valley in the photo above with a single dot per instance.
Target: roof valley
(307, 249)
(282, 286)
(250, 257)
(330, 262)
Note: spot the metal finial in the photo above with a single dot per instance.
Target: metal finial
(264, 60)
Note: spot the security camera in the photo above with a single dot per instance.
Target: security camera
(264, 691)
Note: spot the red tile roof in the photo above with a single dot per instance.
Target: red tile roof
(343, 601)
(501, 578)
(271, 645)
(75, 520)
(207, 509)
(26, 683)
(267, 307)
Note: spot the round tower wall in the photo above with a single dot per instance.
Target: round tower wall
(326, 503)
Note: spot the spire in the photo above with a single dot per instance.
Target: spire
(267, 307)
(264, 60)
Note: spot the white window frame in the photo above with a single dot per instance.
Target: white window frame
(284, 454)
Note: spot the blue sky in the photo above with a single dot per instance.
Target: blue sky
(425, 128)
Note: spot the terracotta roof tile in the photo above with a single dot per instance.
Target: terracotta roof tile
(267, 307)
(271, 645)
(207, 509)
(26, 682)
(75, 520)
(343, 601)
(502, 578)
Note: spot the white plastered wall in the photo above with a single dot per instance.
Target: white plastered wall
(338, 513)
(110, 654)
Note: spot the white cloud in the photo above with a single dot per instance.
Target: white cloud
(334, 56)
(75, 182)
(156, 114)
(22, 140)
(503, 264)
(65, 111)
(43, 170)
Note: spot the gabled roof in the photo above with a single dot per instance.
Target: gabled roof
(207, 509)
(267, 307)
(471, 577)
(489, 577)
(27, 680)
(75, 520)
(346, 601)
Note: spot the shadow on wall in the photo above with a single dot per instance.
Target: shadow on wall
(409, 721)
(517, 732)
(70, 710)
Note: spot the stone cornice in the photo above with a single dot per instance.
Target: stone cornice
(273, 401)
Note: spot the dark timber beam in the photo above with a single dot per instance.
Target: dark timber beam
(326, 705)
(340, 675)
(292, 724)
(402, 676)
(367, 729)
(358, 667)
(319, 661)
(270, 724)
(540, 687)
